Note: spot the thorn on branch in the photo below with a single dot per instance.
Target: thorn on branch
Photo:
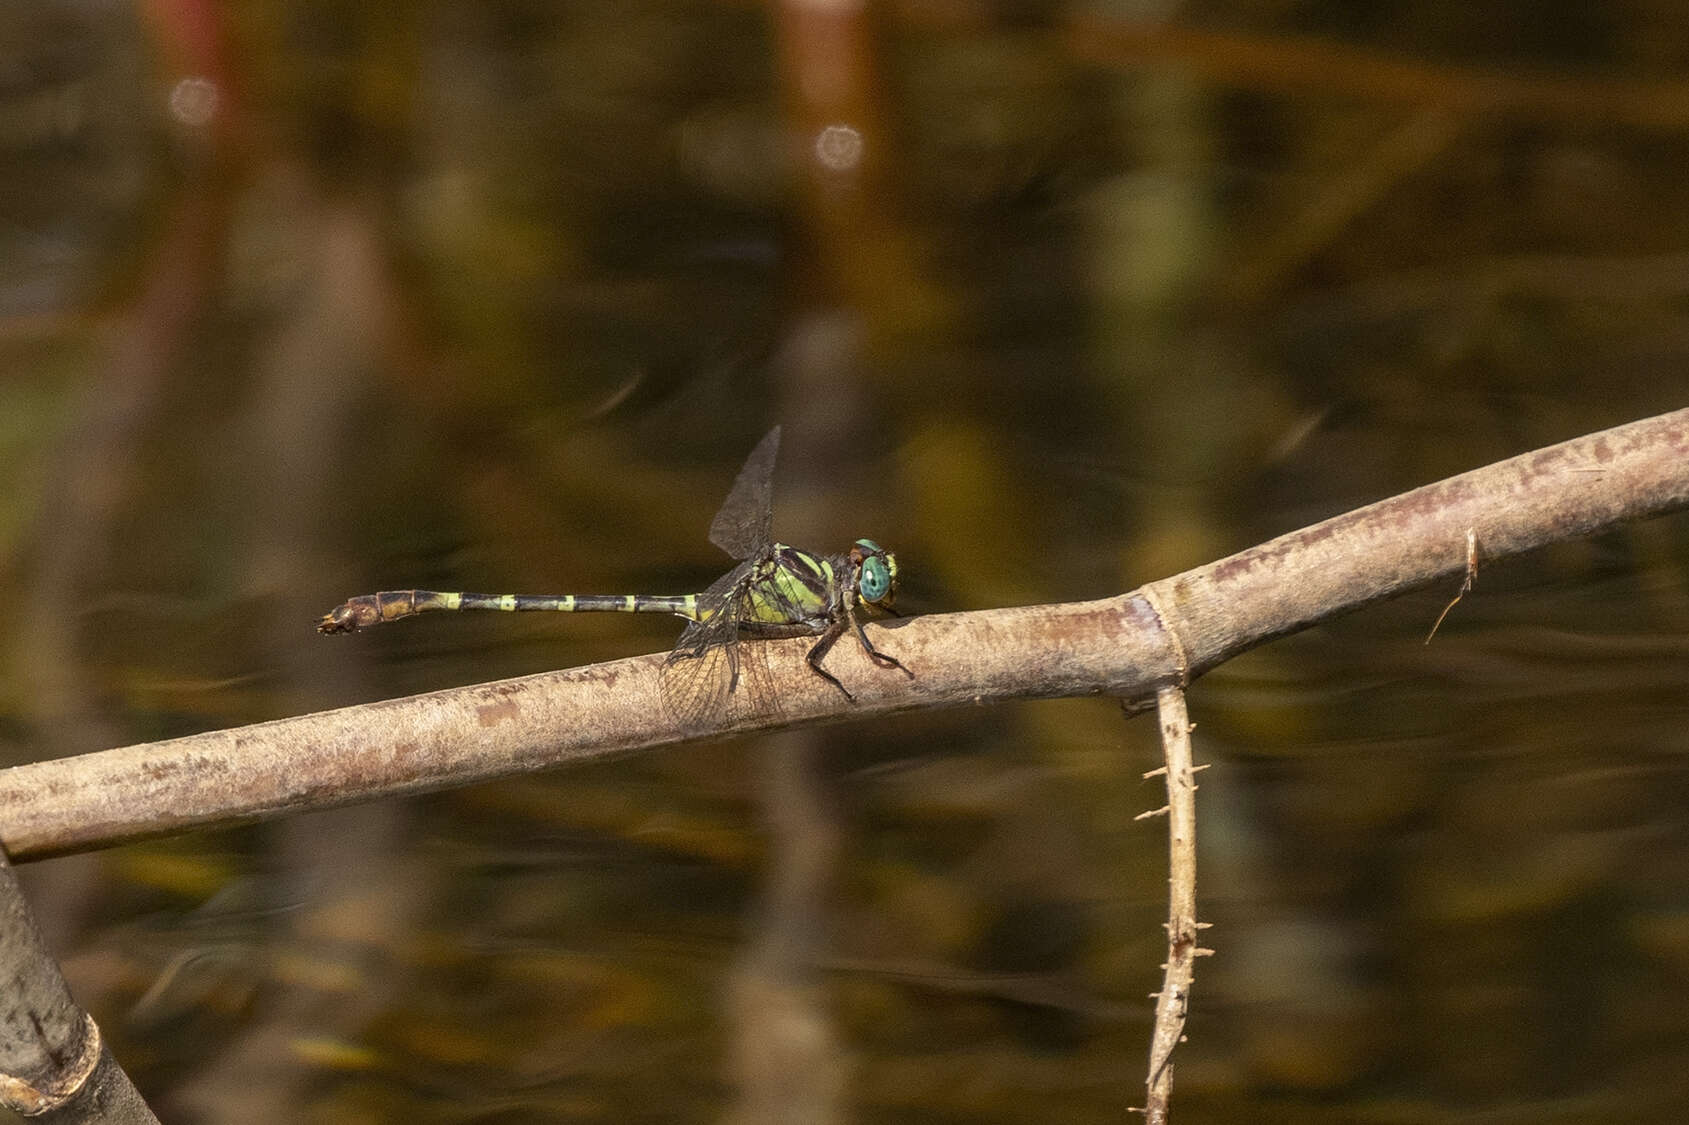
(1162, 811)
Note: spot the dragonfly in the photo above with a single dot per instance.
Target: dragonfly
(775, 590)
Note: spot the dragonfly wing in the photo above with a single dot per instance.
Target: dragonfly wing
(694, 684)
(745, 524)
(722, 679)
(720, 609)
(709, 669)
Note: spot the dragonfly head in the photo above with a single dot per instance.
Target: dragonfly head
(876, 573)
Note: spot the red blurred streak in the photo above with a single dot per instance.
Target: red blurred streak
(193, 40)
(144, 347)
(826, 60)
(829, 66)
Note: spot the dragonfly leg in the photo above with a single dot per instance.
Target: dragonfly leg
(818, 652)
(884, 660)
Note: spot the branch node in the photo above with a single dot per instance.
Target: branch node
(1181, 662)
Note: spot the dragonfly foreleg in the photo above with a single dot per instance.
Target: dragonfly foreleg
(882, 659)
(818, 652)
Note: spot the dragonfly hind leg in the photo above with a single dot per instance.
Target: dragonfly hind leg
(830, 637)
(818, 652)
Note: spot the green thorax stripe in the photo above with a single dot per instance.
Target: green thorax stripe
(792, 587)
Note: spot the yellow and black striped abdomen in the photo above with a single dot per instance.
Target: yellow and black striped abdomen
(390, 605)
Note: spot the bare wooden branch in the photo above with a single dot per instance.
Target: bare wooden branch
(1129, 646)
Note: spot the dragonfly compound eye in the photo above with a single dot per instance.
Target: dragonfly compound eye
(874, 582)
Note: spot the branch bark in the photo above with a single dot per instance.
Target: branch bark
(1130, 646)
(1172, 1003)
(54, 1066)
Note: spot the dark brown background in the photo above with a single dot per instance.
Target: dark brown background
(497, 295)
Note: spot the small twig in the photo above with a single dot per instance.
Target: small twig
(1182, 927)
(1465, 586)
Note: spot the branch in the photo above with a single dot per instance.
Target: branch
(1129, 646)
(1173, 1001)
(54, 1066)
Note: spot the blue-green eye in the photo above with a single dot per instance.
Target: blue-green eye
(874, 582)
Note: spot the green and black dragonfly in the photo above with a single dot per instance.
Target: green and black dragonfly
(774, 591)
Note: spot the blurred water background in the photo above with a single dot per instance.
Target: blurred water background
(303, 300)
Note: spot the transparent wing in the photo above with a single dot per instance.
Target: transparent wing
(745, 524)
(726, 678)
(709, 670)
(694, 685)
(720, 609)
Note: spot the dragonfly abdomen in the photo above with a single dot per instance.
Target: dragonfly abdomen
(390, 605)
